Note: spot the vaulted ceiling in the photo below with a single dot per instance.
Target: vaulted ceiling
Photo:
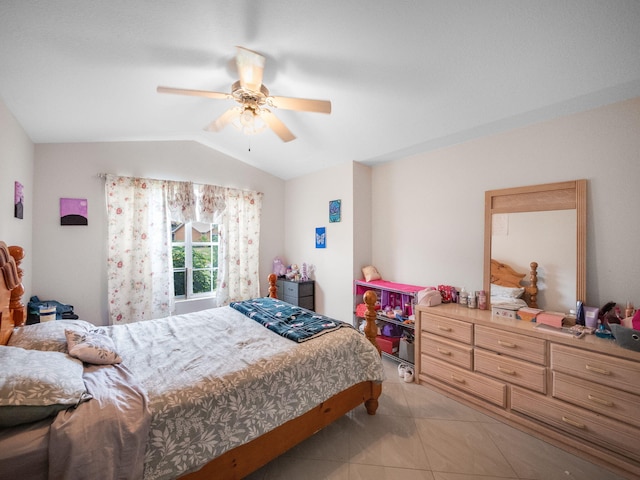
(403, 76)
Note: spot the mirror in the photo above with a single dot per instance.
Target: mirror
(544, 224)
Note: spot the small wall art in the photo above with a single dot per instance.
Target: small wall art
(335, 207)
(73, 211)
(321, 237)
(18, 202)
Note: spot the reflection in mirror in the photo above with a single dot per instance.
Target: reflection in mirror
(547, 238)
(544, 224)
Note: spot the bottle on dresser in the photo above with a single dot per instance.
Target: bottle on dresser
(463, 297)
(472, 301)
(628, 311)
(482, 300)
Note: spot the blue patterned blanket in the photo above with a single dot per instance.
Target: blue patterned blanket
(295, 323)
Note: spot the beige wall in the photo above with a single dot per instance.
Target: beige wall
(362, 215)
(307, 207)
(16, 164)
(428, 209)
(424, 213)
(70, 262)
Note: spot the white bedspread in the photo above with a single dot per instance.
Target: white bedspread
(203, 398)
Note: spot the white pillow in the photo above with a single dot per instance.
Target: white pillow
(505, 292)
(508, 303)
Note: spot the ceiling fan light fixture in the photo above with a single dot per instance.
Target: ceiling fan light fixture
(249, 122)
(247, 118)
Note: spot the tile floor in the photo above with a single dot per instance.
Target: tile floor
(419, 434)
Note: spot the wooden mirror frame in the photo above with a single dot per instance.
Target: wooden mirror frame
(535, 198)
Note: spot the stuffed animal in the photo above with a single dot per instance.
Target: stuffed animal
(278, 267)
(292, 271)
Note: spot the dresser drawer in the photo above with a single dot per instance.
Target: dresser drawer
(601, 399)
(296, 289)
(446, 327)
(304, 302)
(480, 386)
(603, 369)
(447, 351)
(590, 426)
(511, 370)
(513, 344)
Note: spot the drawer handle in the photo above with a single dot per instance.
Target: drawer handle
(598, 370)
(507, 344)
(457, 379)
(573, 423)
(444, 329)
(506, 370)
(444, 352)
(601, 401)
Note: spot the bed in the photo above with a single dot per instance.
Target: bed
(506, 287)
(196, 412)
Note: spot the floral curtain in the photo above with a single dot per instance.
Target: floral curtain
(139, 273)
(237, 213)
(182, 199)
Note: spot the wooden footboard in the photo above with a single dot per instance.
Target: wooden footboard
(247, 458)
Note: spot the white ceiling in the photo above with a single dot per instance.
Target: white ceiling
(404, 76)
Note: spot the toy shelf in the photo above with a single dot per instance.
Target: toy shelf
(395, 295)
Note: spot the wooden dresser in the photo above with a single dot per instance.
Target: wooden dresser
(582, 394)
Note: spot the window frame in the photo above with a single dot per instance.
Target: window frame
(188, 244)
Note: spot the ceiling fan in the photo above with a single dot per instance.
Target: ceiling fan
(253, 115)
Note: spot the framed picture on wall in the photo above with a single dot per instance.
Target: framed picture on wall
(18, 202)
(335, 207)
(73, 211)
(321, 237)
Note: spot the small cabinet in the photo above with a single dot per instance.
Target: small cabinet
(301, 294)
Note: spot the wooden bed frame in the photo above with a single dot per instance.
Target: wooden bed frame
(244, 459)
(12, 310)
(504, 275)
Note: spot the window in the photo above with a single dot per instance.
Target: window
(195, 259)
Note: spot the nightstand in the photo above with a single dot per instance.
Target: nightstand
(301, 294)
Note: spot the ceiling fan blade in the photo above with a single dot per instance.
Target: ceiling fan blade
(194, 93)
(250, 68)
(277, 126)
(223, 120)
(302, 104)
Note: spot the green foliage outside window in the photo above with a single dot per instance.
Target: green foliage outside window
(204, 277)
